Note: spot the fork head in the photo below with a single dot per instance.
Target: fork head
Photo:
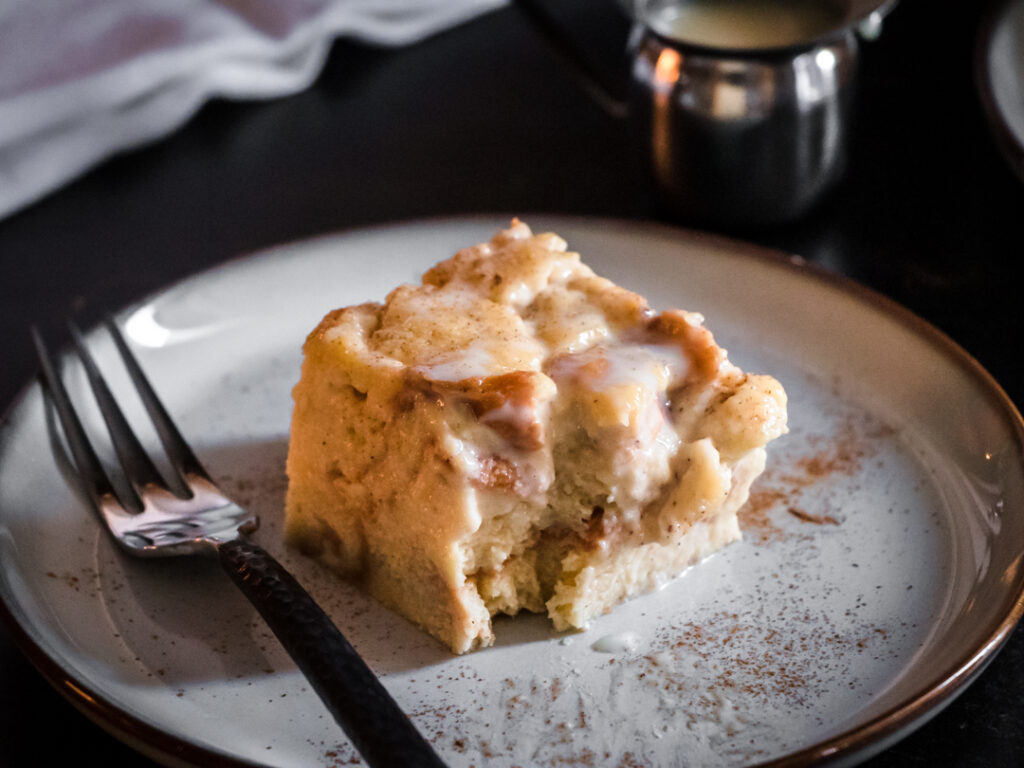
(148, 514)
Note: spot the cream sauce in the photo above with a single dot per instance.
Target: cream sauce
(746, 24)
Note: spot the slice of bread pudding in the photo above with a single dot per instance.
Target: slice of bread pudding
(519, 433)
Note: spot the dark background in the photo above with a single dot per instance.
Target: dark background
(483, 119)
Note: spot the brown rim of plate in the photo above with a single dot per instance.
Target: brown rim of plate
(157, 744)
(149, 740)
(1010, 145)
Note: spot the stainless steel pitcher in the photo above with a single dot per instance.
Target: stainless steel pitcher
(745, 134)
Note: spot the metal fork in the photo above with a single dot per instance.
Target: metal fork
(188, 514)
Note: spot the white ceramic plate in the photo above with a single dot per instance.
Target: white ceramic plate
(1000, 74)
(879, 571)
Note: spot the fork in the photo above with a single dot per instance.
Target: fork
(185, 513)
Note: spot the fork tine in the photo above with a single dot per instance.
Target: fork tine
(178, 450)
(88, 463)
(136, 463)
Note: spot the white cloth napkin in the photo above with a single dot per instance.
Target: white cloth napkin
(81, 80)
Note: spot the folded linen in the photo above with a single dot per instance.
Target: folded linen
(81, 80)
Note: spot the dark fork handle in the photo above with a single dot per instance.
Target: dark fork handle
(355, 697)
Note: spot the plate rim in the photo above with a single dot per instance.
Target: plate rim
(1011, 146)
(856, 743)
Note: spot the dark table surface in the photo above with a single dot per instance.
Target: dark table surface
(483, 119)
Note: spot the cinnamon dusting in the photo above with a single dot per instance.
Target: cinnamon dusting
(807, 517)
(840, 454)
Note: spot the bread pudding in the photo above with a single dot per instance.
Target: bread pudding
(518, 433)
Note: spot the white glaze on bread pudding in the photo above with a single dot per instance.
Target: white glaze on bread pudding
(519, 433)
